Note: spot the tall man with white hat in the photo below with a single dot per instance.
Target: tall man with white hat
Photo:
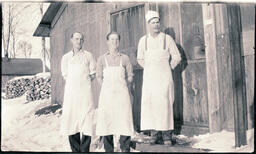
(154, 52)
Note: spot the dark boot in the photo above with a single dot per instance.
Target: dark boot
(168, 138)
(158, 138)
(125, 143)
(108, 143)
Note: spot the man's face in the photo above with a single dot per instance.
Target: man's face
(154, 25)
(113, 41)
(77, 40)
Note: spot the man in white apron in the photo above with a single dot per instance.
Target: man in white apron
(154, 51)
(114, 74)
(78, 68)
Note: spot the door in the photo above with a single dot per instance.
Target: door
(184, 22)
(195, 107)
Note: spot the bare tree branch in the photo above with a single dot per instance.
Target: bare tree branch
(11, 20)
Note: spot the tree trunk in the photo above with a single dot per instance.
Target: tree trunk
(43, 41)
(13, 44)
(8, 33)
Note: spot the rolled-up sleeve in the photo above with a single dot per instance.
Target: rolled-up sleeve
(176, 58)
(141, 48)
(129, 68)
(92, 66)
(99, 70)
(64, 66)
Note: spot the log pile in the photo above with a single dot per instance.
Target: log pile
(34, 87)
(40, 88)
(17, 87)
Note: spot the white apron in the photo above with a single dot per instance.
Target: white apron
(78, 107)
(157, 91)
(115, 110)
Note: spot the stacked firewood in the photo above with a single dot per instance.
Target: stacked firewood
(35, 88)
(40, 88)
(17, 87)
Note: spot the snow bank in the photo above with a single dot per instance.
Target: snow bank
(43, 75)
(223, 141)
(22, 130)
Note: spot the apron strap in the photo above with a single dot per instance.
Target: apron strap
(164, 41)
(106, 61)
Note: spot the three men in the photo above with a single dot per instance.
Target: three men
(78, 68)
(114, 74)
(154, 51)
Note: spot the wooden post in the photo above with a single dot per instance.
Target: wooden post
(239, 95)
(211, 67)
(225, 69)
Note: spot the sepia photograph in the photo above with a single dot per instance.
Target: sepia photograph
(128, 76)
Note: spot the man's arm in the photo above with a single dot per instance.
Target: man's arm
(140, 53)
(92, 67)
(129, 69)
(176, 58)
(64, 66)
(99, 71)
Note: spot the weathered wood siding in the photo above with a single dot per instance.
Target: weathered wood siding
(195, 100)
(248, 34)
(223, 56)
(184, 23)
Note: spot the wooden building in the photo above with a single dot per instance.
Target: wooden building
(216, 42)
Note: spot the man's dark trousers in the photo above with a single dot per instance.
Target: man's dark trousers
(79, 145)
(124, 143)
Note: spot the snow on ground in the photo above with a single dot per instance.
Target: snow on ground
(22, 130)
(223, 141)
(44, 75)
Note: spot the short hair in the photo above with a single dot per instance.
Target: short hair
(113, 32)
(78, 33)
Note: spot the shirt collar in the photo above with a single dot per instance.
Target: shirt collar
(160, 33)
(118, 54)
(73, 53)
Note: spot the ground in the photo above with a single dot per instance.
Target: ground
(34, 126)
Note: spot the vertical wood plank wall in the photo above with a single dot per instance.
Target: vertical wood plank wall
(224, 65)
(248, 45)
(195, 99)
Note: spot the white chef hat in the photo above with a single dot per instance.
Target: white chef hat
(151, 14)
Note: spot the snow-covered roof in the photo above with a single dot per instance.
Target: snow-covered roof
(22, 66)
